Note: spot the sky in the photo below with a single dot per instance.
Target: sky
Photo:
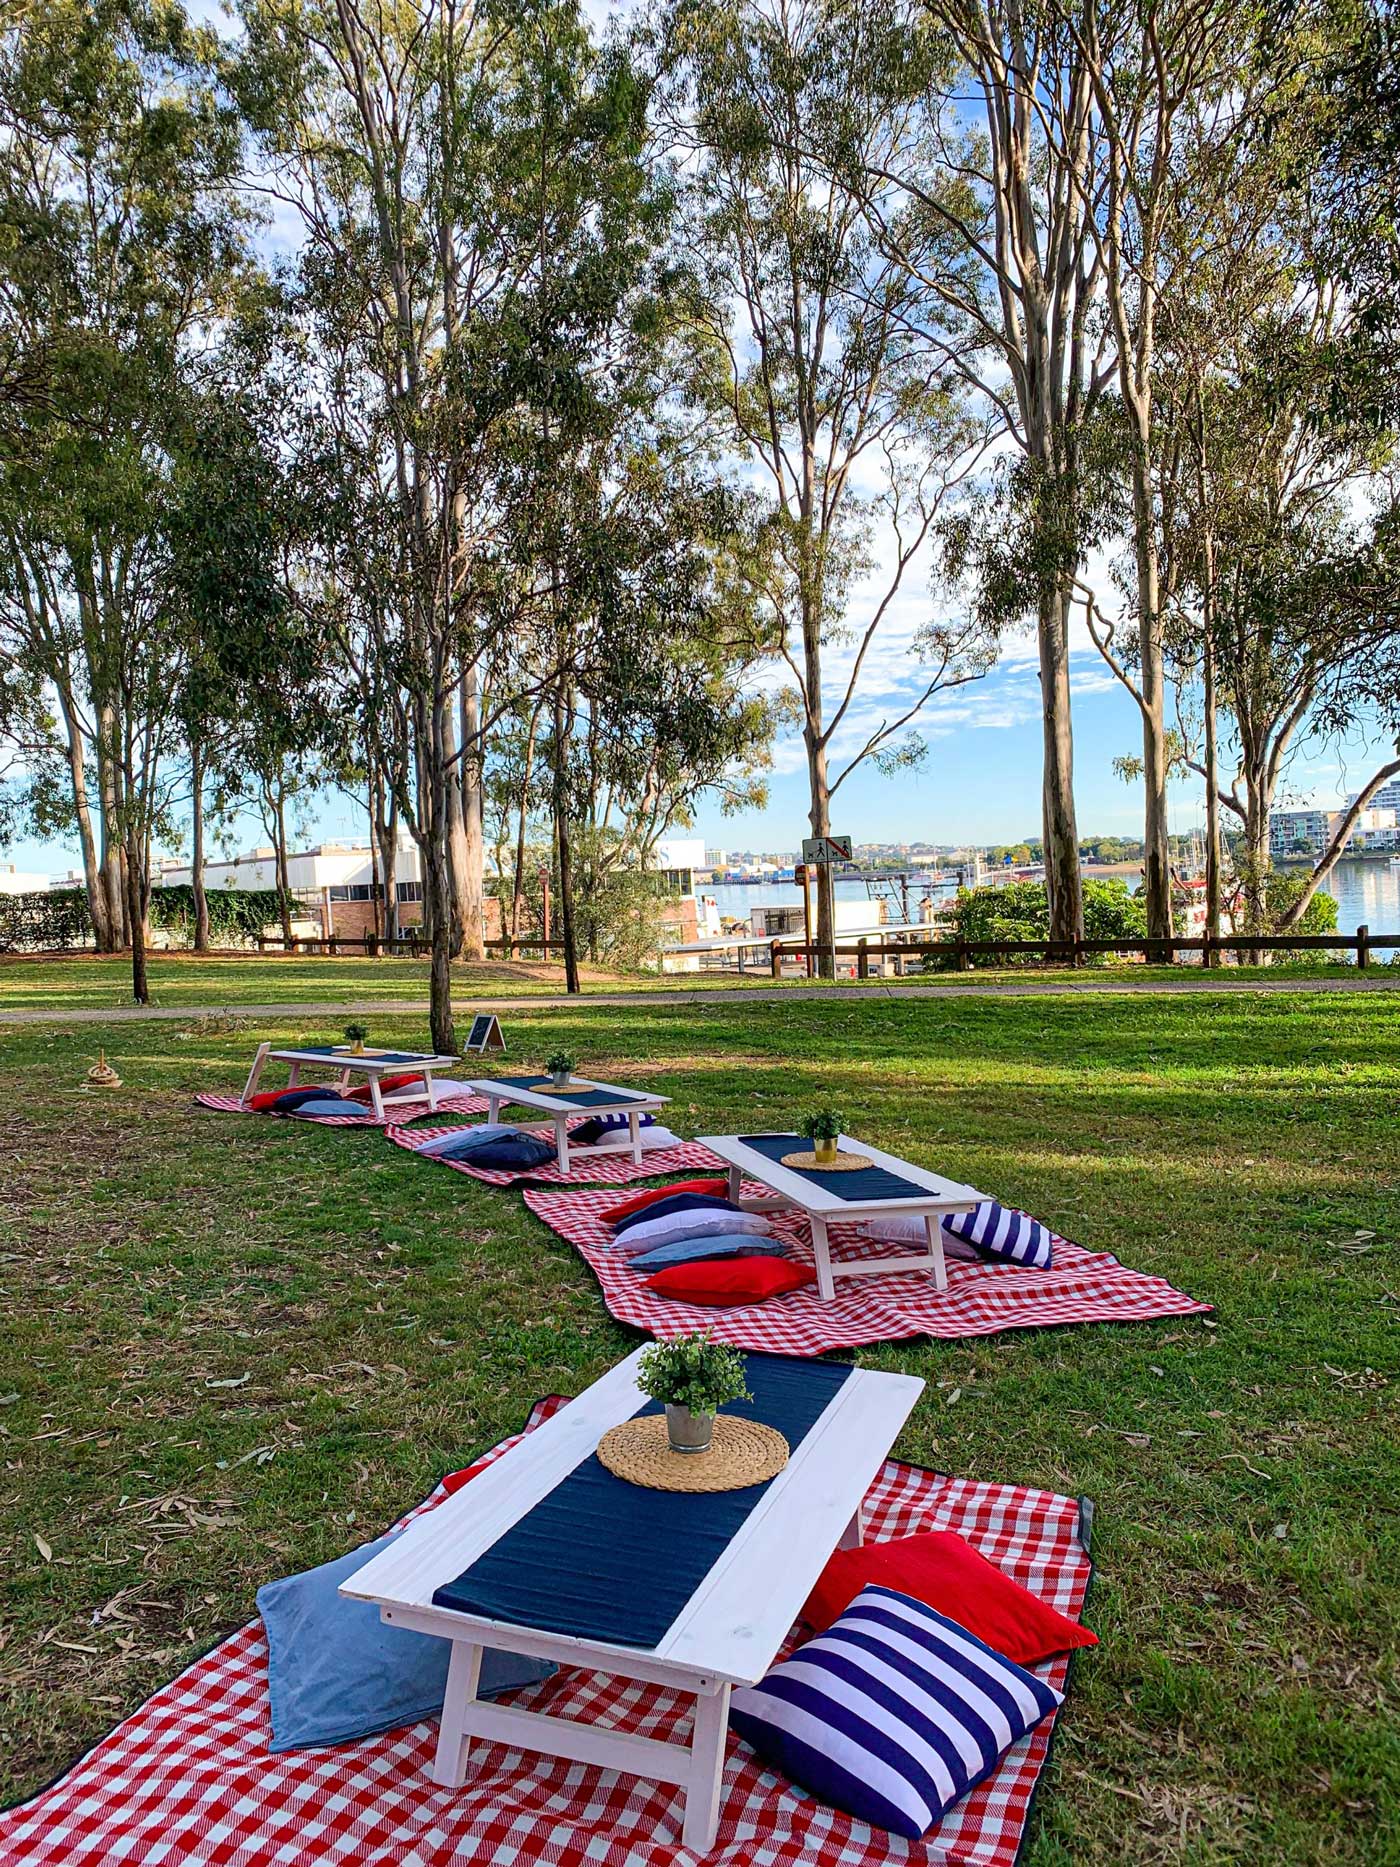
(980, 782)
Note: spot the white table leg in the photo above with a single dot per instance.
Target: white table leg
(250, 1087)
(736, 1182)
(706, 1770)
(294, 1076)
(635, 1131)
(561, 1141)
(933, 1227)
(853, 1536)
(343, 1083)
(376, 1098)
(463, 1672)
(430, 1085)
(826, 1286)
(493, 1107)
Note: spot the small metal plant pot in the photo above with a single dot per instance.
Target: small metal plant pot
(561, 1078)
(687, 1431)
(825, 1151)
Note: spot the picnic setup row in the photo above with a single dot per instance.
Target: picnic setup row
(698, 1612)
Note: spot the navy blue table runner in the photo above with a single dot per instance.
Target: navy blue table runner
(578, 1098)
(859, 1184)
(341, 1054)
(606, 1560)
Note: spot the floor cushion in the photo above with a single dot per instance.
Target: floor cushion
(717, 1189)
(683, 1225)
(673, 1203)
(511, 1152)
(320, 1106)
(287, 1101)
(602, 1127)
(945, 1572)
(388, 1086)
(1005, 1233)
(450, 1140)
(336, 1672)
(906, 1230)
(893, 1714)
(732, 1283)
(707, 1248)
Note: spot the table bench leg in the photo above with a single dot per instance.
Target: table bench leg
(634, 1130)
(376, 1097)
(255, 1073)
(561, 1141)
(706, 1770)
(430, 1085)
(933, 1229)
(463, 1673)
(826, 1286)
(853, 1536)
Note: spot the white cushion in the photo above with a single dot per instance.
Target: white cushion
(657, 1136)
(904, 1229)
(677, 1226)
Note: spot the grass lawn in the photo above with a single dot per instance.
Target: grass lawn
(237, 1347)
(93, 983)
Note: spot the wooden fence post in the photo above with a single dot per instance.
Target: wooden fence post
(1363, 947)
(775, 958)
(863, 957)
(962, 960)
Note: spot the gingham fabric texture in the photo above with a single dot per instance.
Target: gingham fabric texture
(362, 1118)
(981, 1299)
(188, 1780)
(601, 1170)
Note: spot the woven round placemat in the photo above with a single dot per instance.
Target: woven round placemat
(742, 1453)
(843, 1163)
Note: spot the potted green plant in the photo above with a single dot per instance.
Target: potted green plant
(355, 1035)
(560, 1064)
(822, 1127)
(693, 1377)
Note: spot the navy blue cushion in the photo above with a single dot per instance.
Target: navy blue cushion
(1005, 1233)
(599, 1127)
(324, 1105)
(716, 1245)
(892, 1714)
(335, 1672)
(508, 1152)
(292, 1099)
(676, 1202)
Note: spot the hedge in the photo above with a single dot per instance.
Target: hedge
(59, 918)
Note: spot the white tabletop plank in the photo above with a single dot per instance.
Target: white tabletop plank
(560, 1103)
(940, 1194)
(343, 1060)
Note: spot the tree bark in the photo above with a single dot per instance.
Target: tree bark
(1063, 886)
(1333, 853)
(517, 901)
(136, 916)
(201, 896)
(1212, 750)
(471, 895)
(564, 847)
(279, 852)
(92, 872)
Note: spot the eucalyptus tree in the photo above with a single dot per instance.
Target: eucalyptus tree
(845, 408)
(116, 163)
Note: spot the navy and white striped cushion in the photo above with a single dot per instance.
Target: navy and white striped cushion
(1005, 1232)
(892, 1714)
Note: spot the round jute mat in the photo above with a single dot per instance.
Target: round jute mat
(742, 1453)
(843, 1163)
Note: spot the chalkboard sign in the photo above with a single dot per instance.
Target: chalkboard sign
(485, 1034)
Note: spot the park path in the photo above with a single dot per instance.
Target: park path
(710, 995)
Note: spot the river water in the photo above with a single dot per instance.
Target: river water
(1367, 892)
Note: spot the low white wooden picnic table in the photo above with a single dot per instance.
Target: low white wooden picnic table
(560, 1104)
(728, 1632)
(823, 1201)
(372, 1064)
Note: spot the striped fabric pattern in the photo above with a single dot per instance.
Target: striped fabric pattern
(893, 1714)
(1006, 1233)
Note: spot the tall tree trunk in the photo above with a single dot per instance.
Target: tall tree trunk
(563, 845)
(136, 917)
(1212, 761)
(472, 892)
(92, 872)
(449, 782)
(201, 896)
(279, 852)
(1156, 825)
(437, 908)
(386, 829)
(110, 808)
(1060, 830)
(517, 900)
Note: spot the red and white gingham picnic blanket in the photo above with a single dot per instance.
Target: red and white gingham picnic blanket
(188, 1781)
(599, 1170)
(404, 1110)
(981, 1299)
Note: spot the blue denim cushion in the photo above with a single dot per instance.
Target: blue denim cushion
(511, 1152)
(292, 1099)
(717, 1245)
(335, 1672)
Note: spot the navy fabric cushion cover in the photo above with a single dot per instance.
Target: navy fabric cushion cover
(468, 1134)
(716, 1245)
(292, 1099)
(509, 1153)
(892, 1714)
(677, 1202)
(1005, 1233)
(335, 1672)
(599, 1127)
(324, 1105)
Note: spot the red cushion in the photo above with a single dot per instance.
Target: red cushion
(269, 1098)
(946, 1573)
(724, 1283)
(717, 1189)
(387, 1086)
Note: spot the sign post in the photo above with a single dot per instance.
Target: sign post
(822, 851)
(804, 881)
